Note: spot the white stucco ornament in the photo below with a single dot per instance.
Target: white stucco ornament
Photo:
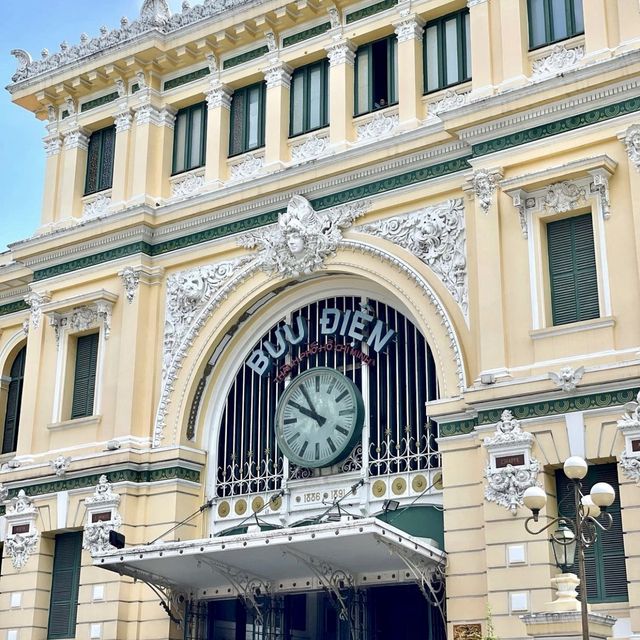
(155, 12)
(567, 378)
(60, 465)
(484, 183)
(21, 512)
(564, 196)
(4, 492)
(303, 238)
(436, 235)
(130, 281)
(632, 144)
(507, 480)
(102, 517)
(560, 60)
(629, 426)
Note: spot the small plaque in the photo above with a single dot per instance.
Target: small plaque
(103, 516)
(635, 445)
(514, 461)
(20, 528)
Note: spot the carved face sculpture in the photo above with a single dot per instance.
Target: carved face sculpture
(634, 142)
(295, 242)
(193, 287)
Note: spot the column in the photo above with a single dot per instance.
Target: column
(278, 78)
(341, 82)
(488, 256)
(152, 153)
(74, 166)
(596, 30)
(52, 170)
(410, 60)
(218, 118)
(481, 48)
(631, 139)
(628, 26)
(514, 37)
(121, 175)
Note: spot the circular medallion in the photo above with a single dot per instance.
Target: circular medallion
(319, 418)
(241, 507)
(224, 509)
(438, 481)
(399, 486)
(379, 488)
(419, 483)
(257, 504)
(275, 503)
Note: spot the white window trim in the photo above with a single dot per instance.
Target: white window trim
(69, 318)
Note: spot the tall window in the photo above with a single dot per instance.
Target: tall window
(309, 98)
(190, 138)
(554, 20)
(447, 51)
(376, 75)
(102, 145)
(572, 270)
(84, 382)
(605, 566)
(64, 586)
(14, 402)
(247, 119)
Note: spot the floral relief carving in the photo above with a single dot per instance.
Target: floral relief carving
(506, 485)
(484, 184)
(20, 546)
(187, 185)
(96, 207)
(436, 235)
(450, 100)
(96, 534)
(564, 196)
(380, 126)
(632, 144)
(313, 147)
(248, 167)
(558, 61)
(4, 492)
(36, 301)
(629, 426)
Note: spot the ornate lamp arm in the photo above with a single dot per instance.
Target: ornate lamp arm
(552, 521)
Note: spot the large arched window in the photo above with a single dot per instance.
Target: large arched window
(398, 436)
(14, 402)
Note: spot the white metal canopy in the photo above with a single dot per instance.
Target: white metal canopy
(362, 551)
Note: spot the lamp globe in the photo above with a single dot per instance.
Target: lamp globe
(602, 494)
(590, 508)
(575, 468)
(534, 498)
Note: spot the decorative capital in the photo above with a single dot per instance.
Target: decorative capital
(409, 27)
(522, 203)
(632, 144)
(600, 186)
(131, 281)
(123, 121)
(52, 145)
(148, 114)
(219, 95)
(484, 183)
(341, 52)
(77, 139)
(567, 378)
(278, 74)
(36, 301)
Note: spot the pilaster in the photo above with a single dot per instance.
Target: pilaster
(341, 78)
(52, 174)
(74, 165)
(514, 37)
(121, 174)
(596, 30)
(409, 30)
(481, 56)
(219, 103)
(278, 78)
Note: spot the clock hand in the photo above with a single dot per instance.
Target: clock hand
(308, 412)
(307, 397)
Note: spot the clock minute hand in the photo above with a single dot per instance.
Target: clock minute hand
(308, 412)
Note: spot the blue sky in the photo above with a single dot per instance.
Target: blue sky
(34, 25)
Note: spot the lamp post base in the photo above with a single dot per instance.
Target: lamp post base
(565, 585)
(567, 625)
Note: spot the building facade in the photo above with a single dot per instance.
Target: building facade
(320, 289)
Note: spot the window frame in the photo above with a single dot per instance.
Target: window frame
(245, 91)
(19, 381)
(461, 33)
(570, 14)
(392, 63)
(305, 71)
(189, 112)
(98, 137)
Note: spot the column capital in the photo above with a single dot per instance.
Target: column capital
(52, 145)
(123, 121)
(341, 52)
(483, 183)
(409, 27)
(76, 138)
(148, 114)
(277, 74)
(219, 95)
(474, 3)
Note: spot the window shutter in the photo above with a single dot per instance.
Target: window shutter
(572, 270)
(93, 163)
(238, 105)
(64, 586)
(85, 376)
(14, 403)
(605, 560)
(108, 153)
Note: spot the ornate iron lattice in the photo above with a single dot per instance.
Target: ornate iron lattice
(395, 384)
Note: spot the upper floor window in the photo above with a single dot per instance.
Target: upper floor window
(190, 138)
(102, 146)
(553, 20)
(247, 119)
(14, 402)
(447, 51)
(573, 274)
(376, 75)
(84, 381)
(605, 559)
(309, 98)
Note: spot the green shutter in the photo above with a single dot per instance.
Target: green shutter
(84, 383)
(572, 270)
(605, 560)
(100, 157)
(64, 586)
(14, 402)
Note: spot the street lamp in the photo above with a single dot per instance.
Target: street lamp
(574, 534)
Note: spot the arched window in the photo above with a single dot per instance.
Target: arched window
(14, 402)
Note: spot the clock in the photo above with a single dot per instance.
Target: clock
(319, 418)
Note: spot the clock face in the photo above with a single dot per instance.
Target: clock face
(319, 418)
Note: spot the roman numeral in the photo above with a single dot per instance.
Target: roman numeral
(331, 385)
(342, 430)
(342, 396)
(317, 384)
(290, 420)
(294, 437)
(331, 445)
(317, 451)
(304, 448)
(344, 412)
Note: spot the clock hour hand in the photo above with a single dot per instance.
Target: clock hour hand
(308, 412)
